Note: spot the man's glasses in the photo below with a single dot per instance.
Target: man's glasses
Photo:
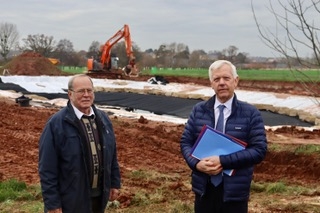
(83, 91)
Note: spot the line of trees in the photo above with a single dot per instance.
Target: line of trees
(298, 20)
(176, 55)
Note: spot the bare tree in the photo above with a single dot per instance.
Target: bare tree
(82, 54)
(163, 56)
(299, 20)
(147, 60)
(8, 38)
(65, 45)
(197, 59)
(172, 55)
(231, 52)
(119, 50)
(94, 49)
(39, 43)
(65, 53)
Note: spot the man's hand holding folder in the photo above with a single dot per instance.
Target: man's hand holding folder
(213, 143)
(210, 165)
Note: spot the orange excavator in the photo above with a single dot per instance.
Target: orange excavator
(109, 65)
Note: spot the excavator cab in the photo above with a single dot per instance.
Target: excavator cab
(114, 62)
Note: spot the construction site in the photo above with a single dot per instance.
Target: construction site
(152, 148)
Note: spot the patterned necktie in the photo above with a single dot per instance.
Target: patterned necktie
(217, 179)
(220, 121)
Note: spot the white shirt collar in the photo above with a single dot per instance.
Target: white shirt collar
(227, 104)
(79, 114)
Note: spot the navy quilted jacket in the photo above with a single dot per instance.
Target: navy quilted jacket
(244, 123)
(62, 164)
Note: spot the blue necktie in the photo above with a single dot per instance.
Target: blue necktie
(220, 121)
(217, 179)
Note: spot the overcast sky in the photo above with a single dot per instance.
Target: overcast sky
(200, 24)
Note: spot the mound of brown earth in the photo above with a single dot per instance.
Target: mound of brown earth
(31, 63)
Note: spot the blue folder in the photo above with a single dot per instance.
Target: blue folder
(212, 142)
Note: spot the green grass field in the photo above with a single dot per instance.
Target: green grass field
(75, 70)
(270, 75)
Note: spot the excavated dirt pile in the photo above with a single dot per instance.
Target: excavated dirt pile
(31, 63)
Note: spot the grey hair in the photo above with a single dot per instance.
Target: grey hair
(70, 83)
(217, 64)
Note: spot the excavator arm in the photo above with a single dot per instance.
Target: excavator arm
(106, 61)
(106, 48)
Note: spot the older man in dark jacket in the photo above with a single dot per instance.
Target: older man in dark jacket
(78, 164)
(240, 120)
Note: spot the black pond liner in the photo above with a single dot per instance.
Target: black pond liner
(158, 104)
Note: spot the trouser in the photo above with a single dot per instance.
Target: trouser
(212, 202)
(96, 205)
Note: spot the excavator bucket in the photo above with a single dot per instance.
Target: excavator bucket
(54, 61)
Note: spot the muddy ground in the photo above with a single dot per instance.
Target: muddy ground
(139, 141)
